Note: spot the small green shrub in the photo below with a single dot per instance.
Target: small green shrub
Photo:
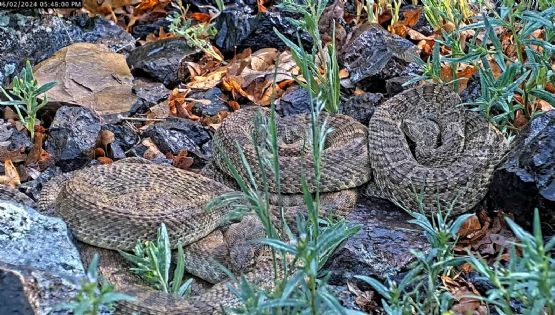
(528, 277)
(440, 12)
(420, 290)
(90, 299)
(26, 91)
(509, 84)
(319, 66)
(152, 261)
(198, 35)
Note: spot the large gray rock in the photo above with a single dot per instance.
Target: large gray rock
(382, 248)
(526, 178)
(38, 261)
(27, 36)
(374, 55)
(72, 137)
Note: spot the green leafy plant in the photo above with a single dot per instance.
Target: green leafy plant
(509, 84)
(319, 66)
(91, 299)
(420, 290)
(197, 35)
(440, 12)
(152, 261)
(26, 90)
(528, 277)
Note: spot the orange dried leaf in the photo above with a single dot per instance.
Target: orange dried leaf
(201, 17)
(471, 225)
(411, 17)
(104, 160)
(234, 105)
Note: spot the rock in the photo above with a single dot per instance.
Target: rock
(72, 137)
(209, 103)
(395, 86)
(361, 107)
(33, 188)
(27, 36)
(125, 139)
(526, 178)
(148, 94)
(472, 91)
(374, 55)
(238, 28)
(176, 134)
(295, 100)
(90, 76)
(162, 60)
(382, 248)
(13, 143)
(39, 264)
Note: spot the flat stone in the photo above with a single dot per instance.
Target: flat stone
(382, 247)
(91, 76)
(35, 37)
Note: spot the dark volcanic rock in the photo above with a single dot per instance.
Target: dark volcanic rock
(148, 95)
(295, 100)
(238, 28)
(526, 178)
(472, 90)
(33, 188)
(209, 103)
(13, 140)
(162, 60)
(382, 248)
(72, 137)
(36, 37)
(374, 55)
(361, 107)
(176, 134)
(395, 86)
(14, 292)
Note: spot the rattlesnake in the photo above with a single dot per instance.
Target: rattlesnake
(114, 206)
(424, 146)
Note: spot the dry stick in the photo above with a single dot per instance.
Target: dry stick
(141, 119)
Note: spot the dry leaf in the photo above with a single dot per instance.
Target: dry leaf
(201, 17)
(104, 160)
(11, 176)
(106, 137)
(181, 160)
(234, 105)
(471, 225)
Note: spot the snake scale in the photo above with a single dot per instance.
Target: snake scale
(419, 139)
